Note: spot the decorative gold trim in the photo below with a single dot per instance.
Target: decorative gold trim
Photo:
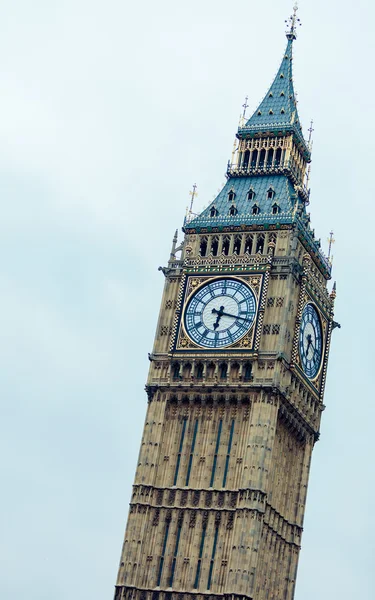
(194, 283)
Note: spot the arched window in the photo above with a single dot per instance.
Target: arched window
(275, 209)
(237, 244)
(213, 212)
(254, 158)
(186, 371)
(272, 238)
(233, 210)
(199, 371)
(223, 370)
(203, 247)
(260, 244)
(270, 194)
(234, 371)
(278, 157)
(210, 371)
(249, 244)
(231, 196)
(176, 371)
(262, 157)
(246, 159)
(247, 370)
(270, 158)
(251, 194)
(256, 209)
(214, 246)
(226, 243)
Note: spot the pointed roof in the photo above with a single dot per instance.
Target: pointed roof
(278, 110)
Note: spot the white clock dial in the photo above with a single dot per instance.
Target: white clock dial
(220, 313)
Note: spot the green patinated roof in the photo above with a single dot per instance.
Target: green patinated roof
(284, 196)
(278, 110)
(276, 113)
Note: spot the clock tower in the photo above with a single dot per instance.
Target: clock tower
(236, 382)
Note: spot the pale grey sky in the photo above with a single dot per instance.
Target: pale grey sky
(109, 113)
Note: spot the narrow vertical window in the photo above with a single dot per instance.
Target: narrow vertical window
(161, 564)
(179, 453)
(228, 453)
(216, 453)
(198, 573)
(192, 452)
(175, 552)
(212, 557)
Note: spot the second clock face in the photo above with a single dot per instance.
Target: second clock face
(220, 313)
(310, 341)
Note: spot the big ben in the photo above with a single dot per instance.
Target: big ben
(236, 382)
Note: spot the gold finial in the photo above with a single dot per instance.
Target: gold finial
(308, 175)
(245, 106)
(292, 24)
(234, 151)
(311, 131)
(193, 195)
(189, 210)
(330, 241)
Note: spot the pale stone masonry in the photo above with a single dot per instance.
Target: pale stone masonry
(220, 488)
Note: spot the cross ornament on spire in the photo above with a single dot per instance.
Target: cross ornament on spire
(292, 24)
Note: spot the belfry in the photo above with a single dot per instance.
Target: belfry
(236, 382)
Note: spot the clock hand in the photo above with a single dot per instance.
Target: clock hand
(309, 343)
(219, 315)
(225, 314)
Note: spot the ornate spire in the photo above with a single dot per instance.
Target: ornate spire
(278, 110)
(279, 106)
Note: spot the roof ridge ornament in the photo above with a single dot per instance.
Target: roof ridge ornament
(292, 24)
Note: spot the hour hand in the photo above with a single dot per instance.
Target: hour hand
(219, 314)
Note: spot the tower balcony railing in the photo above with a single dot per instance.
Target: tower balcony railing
(287, 168)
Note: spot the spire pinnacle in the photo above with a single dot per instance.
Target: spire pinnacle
(189, 209)
(292, 24)
(330, 241)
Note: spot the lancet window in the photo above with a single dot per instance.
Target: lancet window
(214, 245)
(226, 242)
(203, 246)
(260, 243)
(237, 244)
(249, 244)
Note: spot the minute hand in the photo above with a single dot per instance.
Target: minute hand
(225, 314)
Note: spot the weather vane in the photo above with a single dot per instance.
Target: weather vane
(292, 23)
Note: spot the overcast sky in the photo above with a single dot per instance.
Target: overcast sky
(110, 111)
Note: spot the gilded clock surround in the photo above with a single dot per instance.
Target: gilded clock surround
(193, 284)
(220, 488)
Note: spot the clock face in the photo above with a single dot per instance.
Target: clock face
(220, 313)
(311, 341)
